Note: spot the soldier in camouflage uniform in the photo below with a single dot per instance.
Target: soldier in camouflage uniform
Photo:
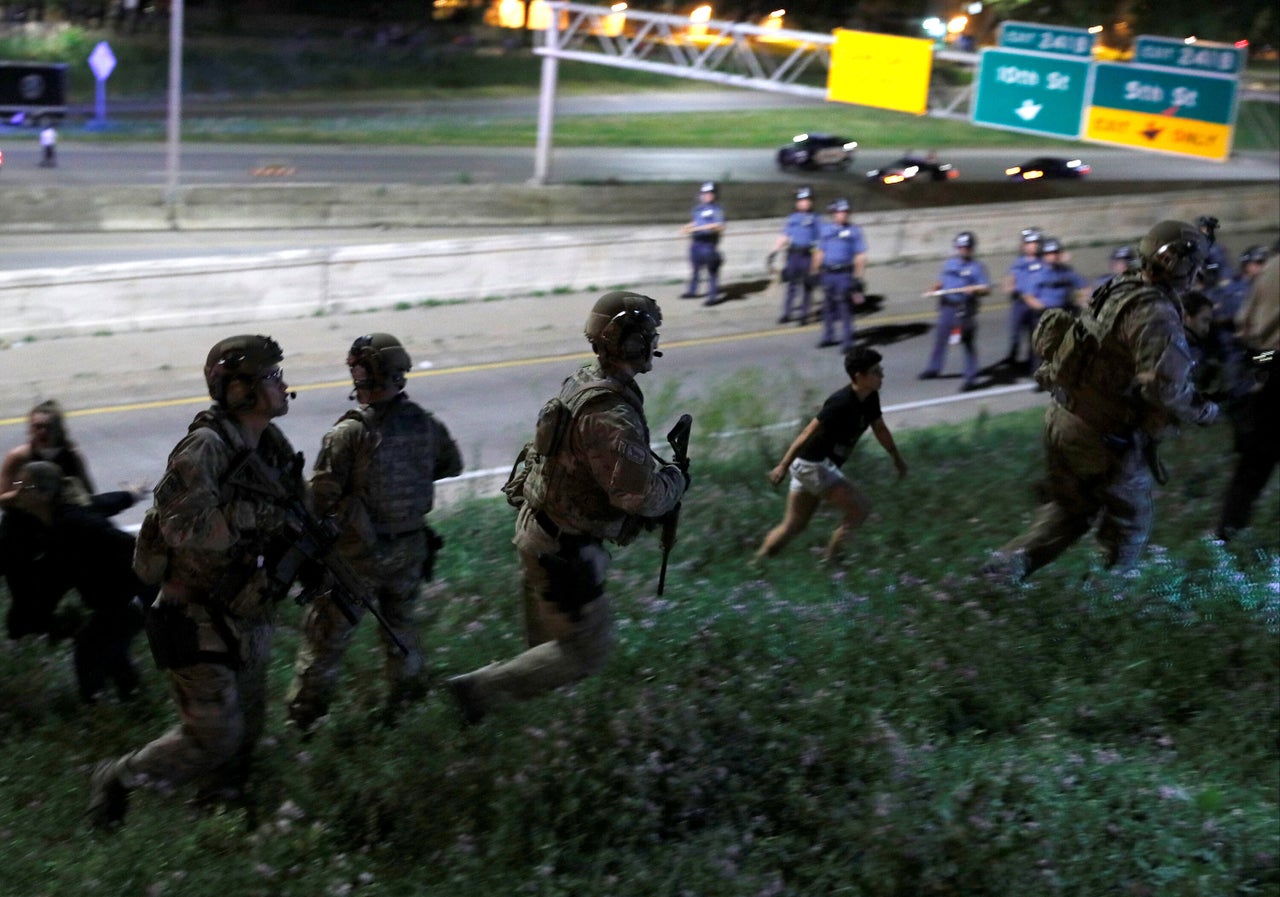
(208, 542)
(591, 478)
(375, 474)
(1112, 403)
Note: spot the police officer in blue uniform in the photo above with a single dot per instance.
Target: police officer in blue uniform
(1017, 283)
(705, 226)
(1217, 265)
(1229, 296)
(799, 238)
(1122, 259)
(841, 259)
(1057, 286)
(960, 286)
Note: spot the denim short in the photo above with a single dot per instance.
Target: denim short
(814, 477)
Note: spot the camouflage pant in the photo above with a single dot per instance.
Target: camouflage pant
(568, 621)
(1088, 475)
(393, 573)
(221, 715)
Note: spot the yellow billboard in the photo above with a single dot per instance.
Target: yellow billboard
(880, 70)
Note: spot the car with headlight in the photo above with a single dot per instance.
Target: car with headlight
(913, 168)
(1048, 168)
(810, 151)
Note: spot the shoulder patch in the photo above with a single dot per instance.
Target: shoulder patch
(635, 453)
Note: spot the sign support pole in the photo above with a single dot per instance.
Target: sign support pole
(547, 100)
(173, 126)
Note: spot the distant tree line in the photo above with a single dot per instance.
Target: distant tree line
(1254, 20)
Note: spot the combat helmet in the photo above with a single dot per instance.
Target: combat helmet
(383, 357)
(625, 326)
(1172, 252)
(246, 357)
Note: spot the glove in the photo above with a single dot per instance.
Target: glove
(858, 285)
(770, 262)
(684, 474)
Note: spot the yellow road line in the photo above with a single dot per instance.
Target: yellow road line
(461, 369)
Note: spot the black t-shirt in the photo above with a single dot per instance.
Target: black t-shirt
(844, 418)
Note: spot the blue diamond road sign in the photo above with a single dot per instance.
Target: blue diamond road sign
(1037, 93)
(102, 61)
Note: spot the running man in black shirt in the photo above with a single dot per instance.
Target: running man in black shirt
(817, 454)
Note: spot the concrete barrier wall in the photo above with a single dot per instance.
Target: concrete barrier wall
(155, 294)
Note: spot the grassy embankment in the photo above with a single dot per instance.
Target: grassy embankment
(892, 728)
(328, 84)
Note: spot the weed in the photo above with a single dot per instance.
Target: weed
(895, 727)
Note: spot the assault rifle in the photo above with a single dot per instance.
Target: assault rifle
(311, 542)
(679, 441)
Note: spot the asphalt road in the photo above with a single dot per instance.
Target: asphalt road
(486, 367)
(102, 164)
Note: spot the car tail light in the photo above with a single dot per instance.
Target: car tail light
(1085, 169)
(952, 173)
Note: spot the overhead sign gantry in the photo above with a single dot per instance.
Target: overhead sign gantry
(848, 66)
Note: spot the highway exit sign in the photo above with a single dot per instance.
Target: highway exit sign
(1046, 39)
(1037, 93)
(1199, 56)
(1164, 110)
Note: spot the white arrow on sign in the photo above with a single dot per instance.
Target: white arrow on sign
(1028, 110)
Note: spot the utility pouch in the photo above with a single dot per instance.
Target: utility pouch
(150, 553)
(173, 636)
(514, 487)
(435, 542)
(553, 423)
(572, 579)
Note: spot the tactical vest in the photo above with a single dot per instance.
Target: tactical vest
(395, 465)
(550, 479)
(151, 552)
(1090, 371)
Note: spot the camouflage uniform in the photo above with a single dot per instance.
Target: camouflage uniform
(1100, 436)
(214, 586)
(375, 472)
(602, 485)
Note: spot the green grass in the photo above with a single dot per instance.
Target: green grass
(894, 728)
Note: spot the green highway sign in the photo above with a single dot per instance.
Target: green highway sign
(1199, 56)
(1162, 110)
(1046, 39)
(1181, 95)
(1032, 92)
